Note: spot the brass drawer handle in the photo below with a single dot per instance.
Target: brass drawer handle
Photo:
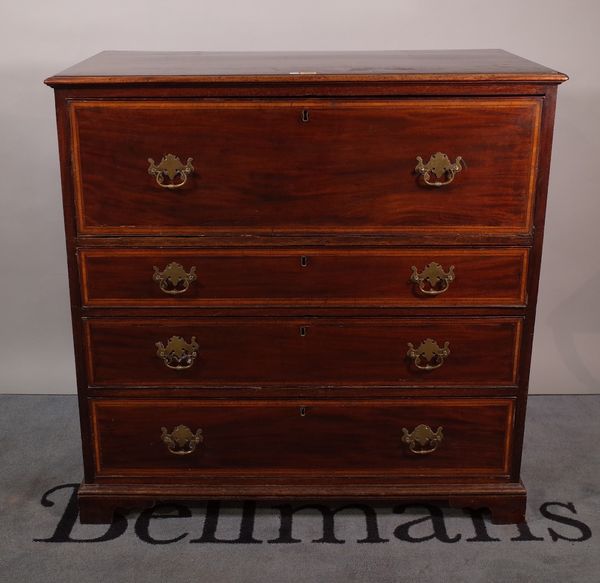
(172, 168)
(181, 441)
(178, 354)
(428, 356)
(174, 279)
(433, 280)
(423, 439)
(440, 165)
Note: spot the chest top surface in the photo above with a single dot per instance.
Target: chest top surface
(115, 67)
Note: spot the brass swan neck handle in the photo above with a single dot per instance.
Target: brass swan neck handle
(439, 165)
(171, 168)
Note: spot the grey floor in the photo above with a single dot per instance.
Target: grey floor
(40, 540)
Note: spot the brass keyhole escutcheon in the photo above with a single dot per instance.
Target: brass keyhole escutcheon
(302, 411)
(305, 116)
(303, 261)
(303, 331)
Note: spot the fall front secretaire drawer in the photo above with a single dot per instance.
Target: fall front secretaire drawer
(305, 166)
(303, 277)
(195, 439)
(292, 352)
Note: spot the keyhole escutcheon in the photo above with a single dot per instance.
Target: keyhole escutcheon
(305, 116)
(303, 331)
(303, 261)
(302, 411)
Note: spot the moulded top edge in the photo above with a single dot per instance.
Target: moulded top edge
(456, 66)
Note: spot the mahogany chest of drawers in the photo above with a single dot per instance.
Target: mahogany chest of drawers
(304, 275)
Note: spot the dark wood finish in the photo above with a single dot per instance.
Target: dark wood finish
(511, 104)
(503, 509)
(335, 277)
(73, 276)
(506, 501)
(281, 169)
(142, 67)
(302, 312)
(272, 241)
(301, 88)
(268, 438)
(534, 273)
(301, 392)
(332, 352)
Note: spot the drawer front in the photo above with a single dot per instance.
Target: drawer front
(256, 167)
(309, 277)
(230, 352)
(465, 436)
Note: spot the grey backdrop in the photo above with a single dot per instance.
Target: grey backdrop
(39, 38)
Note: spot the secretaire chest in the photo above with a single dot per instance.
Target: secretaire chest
(304, 275)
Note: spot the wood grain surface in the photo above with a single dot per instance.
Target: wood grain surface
(350, 169)
(288, 352)
(320, 438)
(304, 277)
(149, 67)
